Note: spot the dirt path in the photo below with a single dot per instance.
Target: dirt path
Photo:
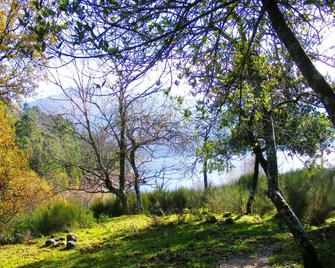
(259, 260)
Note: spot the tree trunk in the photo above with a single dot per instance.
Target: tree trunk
(122, 142)
(124, 202)
(253, 186)
(139, 207)
(309, 256)
(121, 195)
(205, 161)
(314, 78)
(122, 152)
(205, 171)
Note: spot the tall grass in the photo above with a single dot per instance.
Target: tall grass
(61, 215)
(310, 192)
(231, 197)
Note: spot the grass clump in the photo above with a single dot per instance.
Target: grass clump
(311, 193)
(103, 209)
(59, 216)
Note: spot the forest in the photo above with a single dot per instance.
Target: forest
(121, 122)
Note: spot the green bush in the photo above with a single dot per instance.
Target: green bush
(295, 186)
(164, 202)
(110, 208)
(310, 193)
(59, 216)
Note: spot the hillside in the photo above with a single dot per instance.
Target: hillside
(190, 239)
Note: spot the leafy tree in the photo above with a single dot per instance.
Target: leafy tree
(21, 189)
(20, 60)
(50, 142)
(195, 31)
(270, 118)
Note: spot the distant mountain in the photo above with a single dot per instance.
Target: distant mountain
(52, 104)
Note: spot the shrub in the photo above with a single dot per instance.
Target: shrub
(311, 195)
(110, 207)
(59, 216)
(295, 186)
(310, 192)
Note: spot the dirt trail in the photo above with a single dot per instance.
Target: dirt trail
(259, 260)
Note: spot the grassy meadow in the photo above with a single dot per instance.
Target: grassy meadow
(181, 228)
(178, 240)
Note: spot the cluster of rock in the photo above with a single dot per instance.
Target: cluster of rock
(227, 219)
(69, 243)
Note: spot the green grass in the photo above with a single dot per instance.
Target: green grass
(184, 240)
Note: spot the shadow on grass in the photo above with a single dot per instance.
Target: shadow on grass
(192, 244)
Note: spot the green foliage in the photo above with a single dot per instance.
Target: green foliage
(231, 197)
(106, 208)
(51, 144)
(21, 189)
(311, 193)
(59, 216)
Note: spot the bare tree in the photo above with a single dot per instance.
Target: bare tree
(152, 129)
(123, 126)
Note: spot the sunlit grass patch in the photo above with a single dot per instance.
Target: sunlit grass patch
(167, 241)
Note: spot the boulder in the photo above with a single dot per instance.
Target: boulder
(226, 214)
(50, 242)
(71, 237)
(226, 221)
(211, 219)
(70, 244)
(59, 244)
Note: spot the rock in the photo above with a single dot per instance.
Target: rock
(226, 214)
(226, 221)
(211, 219)
(59, 244)
(229, 220)
(71, 237)
(50, 242)
(60, 239)
(70, 244)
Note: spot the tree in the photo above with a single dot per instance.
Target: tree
(20, 58)
(50, 143)
(193, 30)
(314, 78)
(256, 129)
(205, 121)
(21, 190)
(122, 127)
(151, 128)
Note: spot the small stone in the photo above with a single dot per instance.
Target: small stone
(226, 221)
(211, 219)
(70, 245)
(229, 220)
(226, 214)
(71, 237)
(59, 244)
(50, 242)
